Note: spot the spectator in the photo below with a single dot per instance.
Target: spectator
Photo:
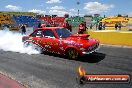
(53, 24)
(43, 25)
(82, 28)
(39, 25)
(116, 26)
(49, 24)
(100, 26)
(104, 25)
(67, 26)
(23, 28)
(85, 26)
(119, 25)
(70, 27)
(96, 26)
(91, 26)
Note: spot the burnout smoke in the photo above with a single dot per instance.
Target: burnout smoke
(12, 41)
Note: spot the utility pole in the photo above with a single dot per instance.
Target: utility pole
(78, 3)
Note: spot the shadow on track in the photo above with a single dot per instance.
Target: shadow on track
(91, 58)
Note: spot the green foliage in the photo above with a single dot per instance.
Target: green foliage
(75, 20)
(19, 13)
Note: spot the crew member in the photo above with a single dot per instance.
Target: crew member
(67, 26)
(23, 28)
(116, 26)
(82, 28)
(100, 26)
(70, 27)
(39, 25)
(53, 24)
(43, 25)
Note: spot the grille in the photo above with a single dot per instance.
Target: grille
(93, 47)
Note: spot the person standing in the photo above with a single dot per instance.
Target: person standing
(85, 26)
(70, 27)
(119, 25)
(43, 25)
(96, 24)
(100, 26)
(81, 28)
(39, 25)
(23, 28)
(53, 24)
(67, 26)
(116, 26)
(91, 26)
(104, 25)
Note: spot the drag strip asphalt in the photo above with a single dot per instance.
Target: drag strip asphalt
(55, 71)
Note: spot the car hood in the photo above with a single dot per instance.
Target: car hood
(82, 39)
(80, 36)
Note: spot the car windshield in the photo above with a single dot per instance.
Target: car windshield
(63, 33)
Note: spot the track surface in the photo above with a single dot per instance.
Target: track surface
(54, 71)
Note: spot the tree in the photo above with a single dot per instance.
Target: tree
(66, 15)
(119, 15)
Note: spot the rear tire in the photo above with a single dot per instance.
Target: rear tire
(72, 53)
(26, 44)
(34, 46)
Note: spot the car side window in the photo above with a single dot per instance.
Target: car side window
(37, 33)
(48, 34)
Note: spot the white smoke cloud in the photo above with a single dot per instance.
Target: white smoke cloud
(13, 8)
(58, 10)
(53, 1)
(97, 7)
(10, 41)
(37, 11)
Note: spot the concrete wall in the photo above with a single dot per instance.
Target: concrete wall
(112, 37)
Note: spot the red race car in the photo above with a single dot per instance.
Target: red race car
(61, 41)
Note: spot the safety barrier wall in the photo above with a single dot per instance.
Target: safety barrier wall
(112, 37)
(113, 28)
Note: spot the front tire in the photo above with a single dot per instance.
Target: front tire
(72, 53)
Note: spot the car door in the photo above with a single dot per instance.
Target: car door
(51, 42)
(36, 37)
(42, 40)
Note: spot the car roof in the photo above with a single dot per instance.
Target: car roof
(52, 28)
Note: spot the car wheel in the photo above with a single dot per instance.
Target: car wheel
(38, 48)
(26, 44)
(34, 46)
(72, 53)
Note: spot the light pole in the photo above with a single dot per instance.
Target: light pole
(78, 3)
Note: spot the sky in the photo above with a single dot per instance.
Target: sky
(61, 7)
